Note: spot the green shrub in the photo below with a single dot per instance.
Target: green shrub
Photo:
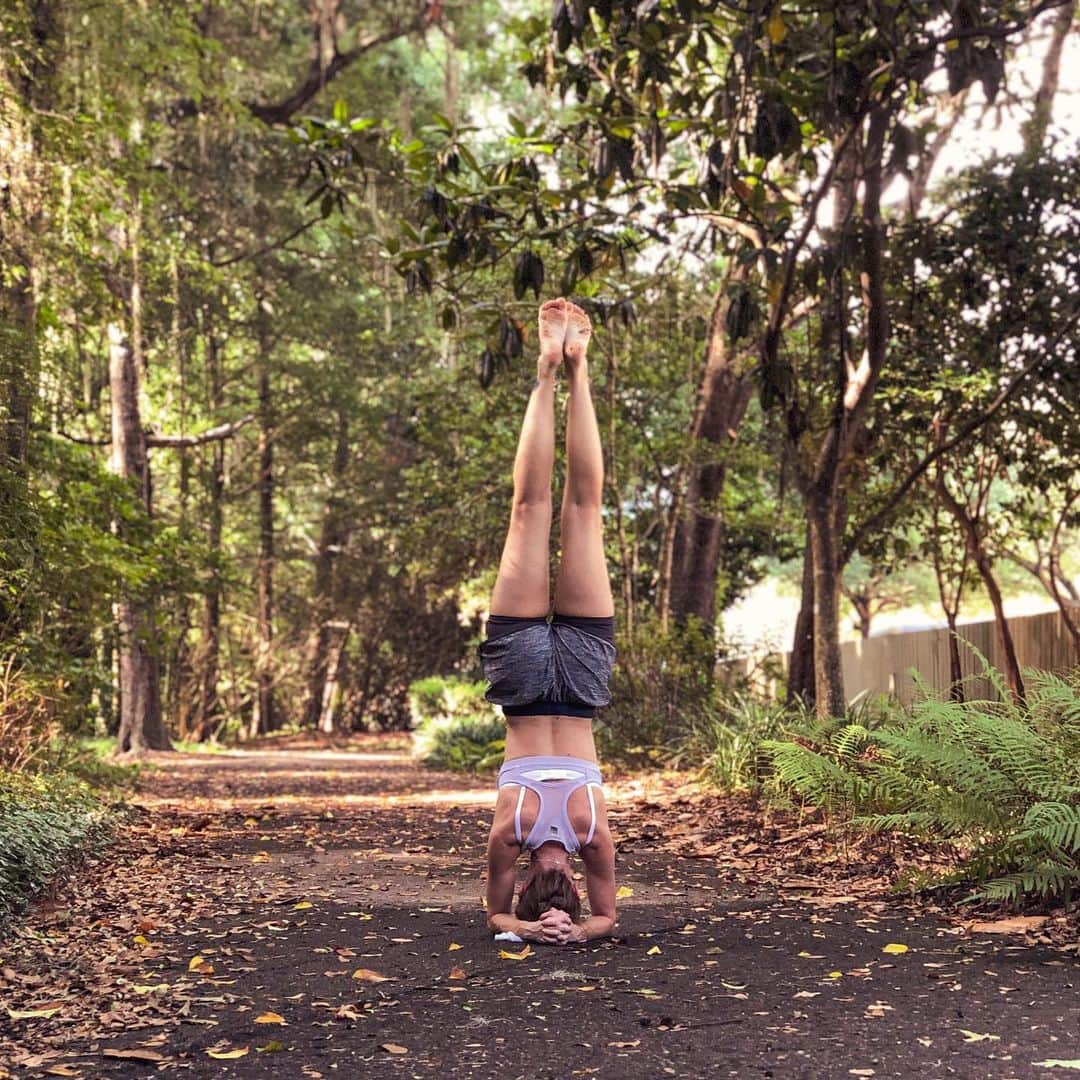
(455, 727)
(661, 683)
(46, 822)
(996, 780)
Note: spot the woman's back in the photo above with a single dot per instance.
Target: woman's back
(549, 736)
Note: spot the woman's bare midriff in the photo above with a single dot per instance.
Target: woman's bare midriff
(550, 736)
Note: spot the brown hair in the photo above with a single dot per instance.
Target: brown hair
(548, 889)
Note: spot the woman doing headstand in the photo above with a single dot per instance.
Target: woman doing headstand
(549, 676)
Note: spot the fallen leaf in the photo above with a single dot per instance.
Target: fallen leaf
(34, 1014)
(269, 1018)
(457, 973)
(393, 1048)
(1015, 925)
(646, 992)
(1051, 1063)
(150, 989)
(227, 1055)
(274, 1046)
(367, 975)
(139, 939)
(654, 951)
(133, 1055)
(975, 1036)
(454, 946)
(807, 994)
(895, 949)
(836, 974)
(303, 905)
(623, 891)
(61, 1070)
(505, 955)
(624, 1045)
(201, 965)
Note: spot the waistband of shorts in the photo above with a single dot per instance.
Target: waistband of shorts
(601, 626)
(546, 707)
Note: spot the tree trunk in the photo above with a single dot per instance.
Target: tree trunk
(956, 671)
(210, 652)
(800, 683)
(334, 666)
(824, 547)
(331, 540)
(985, 567)
(264, 719)
(724, 392)
(141, 724)
(1043, 106)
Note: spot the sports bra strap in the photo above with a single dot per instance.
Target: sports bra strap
(592, 810)
(517, 814)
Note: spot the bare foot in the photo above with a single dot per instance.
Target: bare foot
(578, 332)
(552, 321)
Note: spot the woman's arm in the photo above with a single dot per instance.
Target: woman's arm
(502, 856)
(599, 860)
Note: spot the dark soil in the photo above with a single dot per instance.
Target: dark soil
(290, 869)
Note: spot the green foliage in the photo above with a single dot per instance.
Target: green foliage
(46, 822)
(998, 781)
(661, 683)
(455, 727)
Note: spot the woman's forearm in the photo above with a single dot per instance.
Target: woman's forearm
(596, 926)
(503, 922)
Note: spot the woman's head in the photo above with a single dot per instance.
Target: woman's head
(545, 889)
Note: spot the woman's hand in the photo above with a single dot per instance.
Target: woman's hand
(556, 927)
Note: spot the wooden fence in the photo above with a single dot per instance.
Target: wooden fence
(880, 665)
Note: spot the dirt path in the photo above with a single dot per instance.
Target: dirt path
(251, 888)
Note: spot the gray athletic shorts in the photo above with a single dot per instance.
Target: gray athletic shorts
(536, 667)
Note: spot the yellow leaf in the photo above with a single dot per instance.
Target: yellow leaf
(201, 965)
(812, 956)
(646, 992)
(250, 823)
(269, 1018)
(260, 856)
(585, 989)
(33, 1014)
(654, 951)
(836, 974)
(895, 949)
(454, 945)
(505, 955)
(227, 1055)
(951, 44)
(147, 989)
(775, 26)
(303, 905)
(274, 1046)
(61, 1070)
(975, 1036)
(393, 1048)
(623, 891)
(367, 975)
(139, 939)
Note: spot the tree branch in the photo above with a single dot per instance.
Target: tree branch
(222, 431)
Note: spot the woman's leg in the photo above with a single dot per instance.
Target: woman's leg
(583, 587)
(522, 586)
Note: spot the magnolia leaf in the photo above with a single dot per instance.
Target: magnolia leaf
(454, 945)
(269, 1018)
(34, 1014)
(227, 1055)
(895, 949)
(133, 1055)
(394, 1048)
(506, 955)
(367, 975)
